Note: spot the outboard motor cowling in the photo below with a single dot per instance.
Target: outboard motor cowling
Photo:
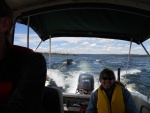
(85, 83)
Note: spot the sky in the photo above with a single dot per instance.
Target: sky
(78, 45)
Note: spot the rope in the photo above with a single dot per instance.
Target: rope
(55, 69)
(60, 66)
(103, 64)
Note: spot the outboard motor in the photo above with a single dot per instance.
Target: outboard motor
(85, 83)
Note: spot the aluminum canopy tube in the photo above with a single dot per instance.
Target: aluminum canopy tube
(28, 23)
(145, 49)
(49, 51)
(38, 45)
(129, 55)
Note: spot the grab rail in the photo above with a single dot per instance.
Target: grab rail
(143, 107)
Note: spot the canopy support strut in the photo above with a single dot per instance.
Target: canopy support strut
(145, 49)
(38, 45)
(28, 32)
(129, 55)
(50, 51)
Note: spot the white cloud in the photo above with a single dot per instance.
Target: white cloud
(64, 44)
(93, 45)
(82, 45)
(85, 43)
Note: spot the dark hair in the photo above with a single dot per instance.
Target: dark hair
(5, 10)
(107, 72)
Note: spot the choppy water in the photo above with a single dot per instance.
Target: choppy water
(66, 76)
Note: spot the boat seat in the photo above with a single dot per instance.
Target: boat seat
(52, 100)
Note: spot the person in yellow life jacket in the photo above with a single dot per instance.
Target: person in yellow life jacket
(111, 96)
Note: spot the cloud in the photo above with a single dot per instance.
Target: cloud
(85, 43)
(93, 45)
(81, 45)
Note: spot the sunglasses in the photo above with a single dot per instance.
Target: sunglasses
(107, 78)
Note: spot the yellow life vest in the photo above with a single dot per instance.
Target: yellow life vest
(117, 103)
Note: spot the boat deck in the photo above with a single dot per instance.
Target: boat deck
(77, 103)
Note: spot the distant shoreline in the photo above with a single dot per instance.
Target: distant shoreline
(57, 54)
(67, 54)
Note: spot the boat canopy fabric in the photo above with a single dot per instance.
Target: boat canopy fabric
(89, 20)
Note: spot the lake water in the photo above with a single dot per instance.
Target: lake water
(136, 73)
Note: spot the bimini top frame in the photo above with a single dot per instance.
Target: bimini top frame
(121, 19)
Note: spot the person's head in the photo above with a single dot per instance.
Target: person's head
(5, 19)
(107, 78)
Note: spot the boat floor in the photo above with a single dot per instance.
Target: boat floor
(77, 103)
